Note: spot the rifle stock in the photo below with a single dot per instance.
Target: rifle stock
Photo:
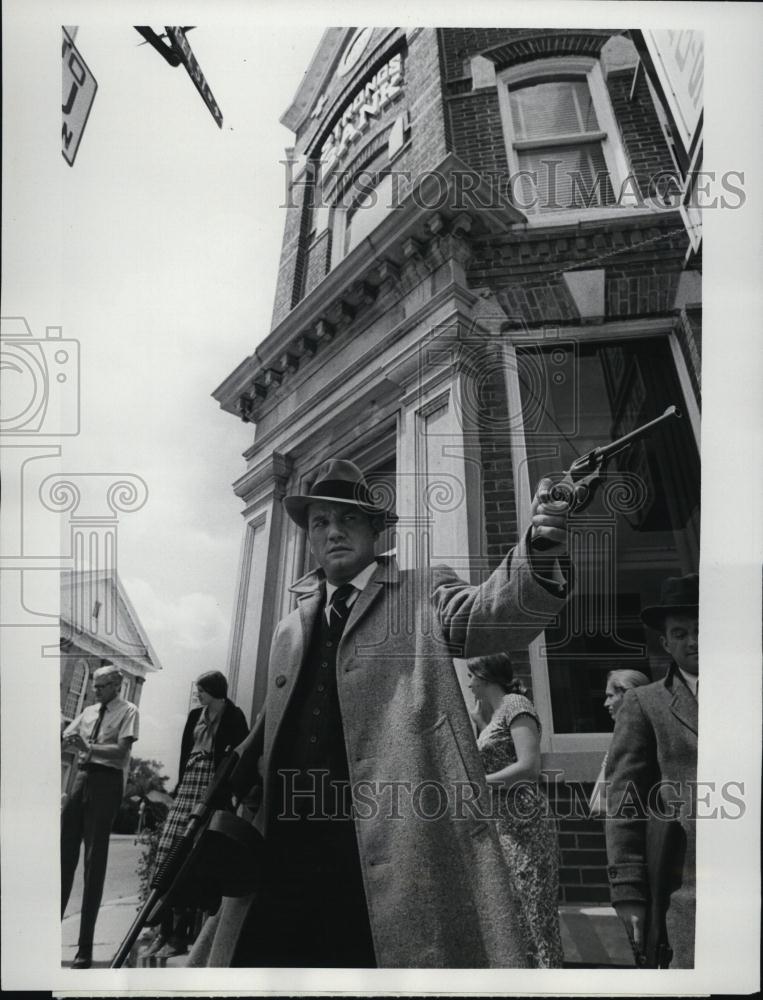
(218, 853)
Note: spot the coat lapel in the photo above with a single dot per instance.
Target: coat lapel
(683, 704)
(309, 609)
(386, 573)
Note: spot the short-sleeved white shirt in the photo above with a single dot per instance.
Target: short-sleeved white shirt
(120, 721)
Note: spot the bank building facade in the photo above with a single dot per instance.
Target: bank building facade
(485, 273)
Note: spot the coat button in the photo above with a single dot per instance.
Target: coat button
(280, 681)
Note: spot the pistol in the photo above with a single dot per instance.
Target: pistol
(579, 483)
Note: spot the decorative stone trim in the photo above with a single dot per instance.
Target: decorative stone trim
(407, 247)
(558, 43)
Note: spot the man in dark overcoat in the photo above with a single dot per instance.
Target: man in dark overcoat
(379, 847)
(651, 774)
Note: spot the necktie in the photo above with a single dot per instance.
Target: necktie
(338, 610)
(97, 726)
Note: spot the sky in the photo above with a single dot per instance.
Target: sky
(171, 232)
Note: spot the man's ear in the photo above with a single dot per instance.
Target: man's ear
(664, 643)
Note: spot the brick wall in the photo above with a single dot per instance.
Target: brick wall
(477, 133)
(583, 870)
(425, 102)
(642, 260)
(640, 131)
(511, 45)
(290, 267)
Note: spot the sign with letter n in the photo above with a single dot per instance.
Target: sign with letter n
(77, 96)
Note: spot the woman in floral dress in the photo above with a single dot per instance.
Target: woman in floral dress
(509, 745)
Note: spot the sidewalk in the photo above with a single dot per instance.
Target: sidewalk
(114, 921)
(592, 936)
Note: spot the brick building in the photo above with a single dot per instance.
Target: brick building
(99, 626)
(484, 274)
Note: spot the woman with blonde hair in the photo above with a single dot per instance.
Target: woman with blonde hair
(618, 682)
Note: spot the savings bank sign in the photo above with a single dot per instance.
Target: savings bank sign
(385, 86)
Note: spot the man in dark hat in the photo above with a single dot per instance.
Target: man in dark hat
(377, 851)
(652, 771)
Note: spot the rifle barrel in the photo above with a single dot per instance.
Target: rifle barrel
(137, 926)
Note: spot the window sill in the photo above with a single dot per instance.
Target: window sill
(569, 217)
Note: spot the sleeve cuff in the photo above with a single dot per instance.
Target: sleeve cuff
(627, 883)
(549, 571)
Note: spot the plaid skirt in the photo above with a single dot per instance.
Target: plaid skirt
(197, 778)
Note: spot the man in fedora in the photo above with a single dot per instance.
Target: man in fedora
(364, 761)
(652, 771)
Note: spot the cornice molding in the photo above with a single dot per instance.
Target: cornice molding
(411, 242)
(265, 481)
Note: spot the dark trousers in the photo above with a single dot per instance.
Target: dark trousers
(88, 816)
(311, 911)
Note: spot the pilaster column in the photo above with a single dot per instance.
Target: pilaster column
(257, 607)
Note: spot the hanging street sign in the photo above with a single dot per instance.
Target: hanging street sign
(77, 96)
(180, 42)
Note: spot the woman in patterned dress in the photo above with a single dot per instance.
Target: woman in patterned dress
(212, 729)
(509, 744)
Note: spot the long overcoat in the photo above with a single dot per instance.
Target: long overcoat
(434, 874)
(653, 762)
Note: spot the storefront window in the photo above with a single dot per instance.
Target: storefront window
(643, 524)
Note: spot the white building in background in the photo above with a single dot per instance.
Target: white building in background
(98, 626)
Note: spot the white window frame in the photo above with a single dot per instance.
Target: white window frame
(608, 134)
(83, 690)
(552, 742)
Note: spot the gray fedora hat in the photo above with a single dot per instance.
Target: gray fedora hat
(679, 595)
(338, 481)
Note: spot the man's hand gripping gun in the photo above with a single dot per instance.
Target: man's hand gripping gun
(579, 483)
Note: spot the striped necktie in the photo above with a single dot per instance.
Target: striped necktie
(338, 610)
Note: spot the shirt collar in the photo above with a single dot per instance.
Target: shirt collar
(359, 582)
(691, 681)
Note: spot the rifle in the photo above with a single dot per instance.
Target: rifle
(218, 854)
(579, 483)
(664, 846)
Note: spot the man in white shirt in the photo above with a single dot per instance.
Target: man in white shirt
(651, 774)
(103, 733)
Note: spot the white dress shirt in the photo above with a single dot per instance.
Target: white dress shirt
(691, 681)
(359, 582)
